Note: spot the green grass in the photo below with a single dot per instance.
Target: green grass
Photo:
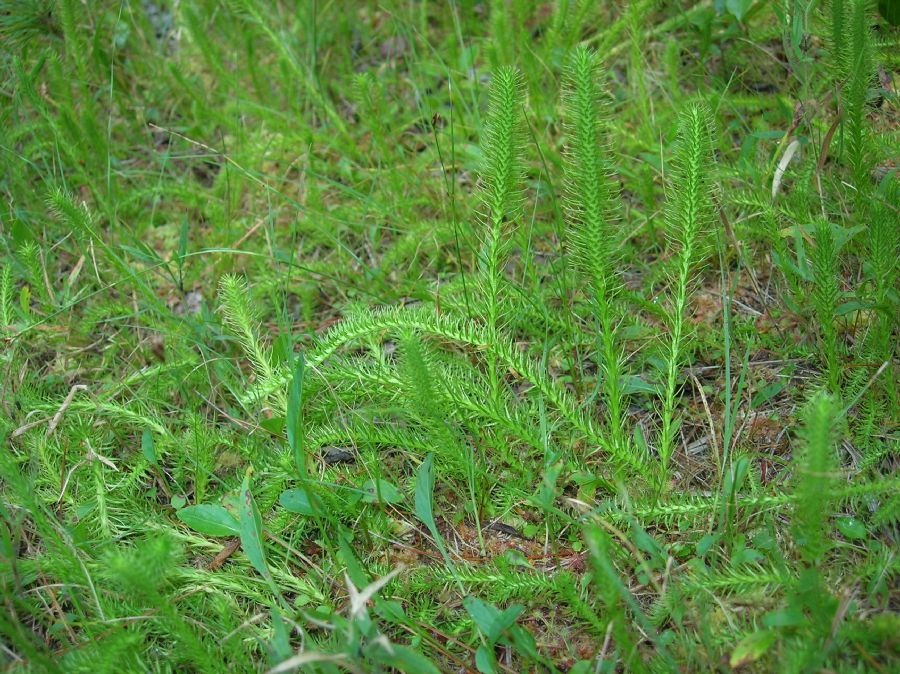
(472, 336)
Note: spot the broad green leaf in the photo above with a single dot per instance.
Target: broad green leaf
(489, 619)
(734, 479)
(514, 557)
(25, 300)
(752, 647)
(147, 447)
(852, 528)
(485, 660)
(738, 8)
(705, 543)
(280, 644)
(347, 557)
(251, 529)
(745, 556)
(646, 542)
(391, 611)
(640, 442)
(849, 307)
(790, 616)
(294, 422)
(768, 392)
(275, 425)
(599, 543)
(634, 384)
(212, 520)
(302, 501)
(405, 659)
(524, 642)
(387, 491)
(424, 497)
(424, 491)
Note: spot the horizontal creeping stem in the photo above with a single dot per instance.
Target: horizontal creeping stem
(463, 332)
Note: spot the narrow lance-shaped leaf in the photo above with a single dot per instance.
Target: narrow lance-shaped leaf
(424, 497)
(490, 620)
(252, 530)
(295, 430)
(212, 520)
(302, 501)
(147, 447)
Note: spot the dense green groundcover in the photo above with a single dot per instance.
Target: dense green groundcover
(463, 335)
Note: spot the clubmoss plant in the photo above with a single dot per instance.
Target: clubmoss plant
(689, 212)
(324, 347)
(592, 230)
(501, 175)
(855, 97)
(825, 296)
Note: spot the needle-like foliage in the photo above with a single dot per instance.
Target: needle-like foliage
(826, 293)
(591, 223)
(816, 467)
(855, 96)
(882, 244)
(241, 320)
(689, 212)
(501, 177)
(324, 347)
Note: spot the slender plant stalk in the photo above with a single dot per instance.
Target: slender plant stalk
(825, 295)
(883, 247)
(501, 176)
(688, 214)
(816, 477)
(837, 15)
(860, 70)
(591, 212)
